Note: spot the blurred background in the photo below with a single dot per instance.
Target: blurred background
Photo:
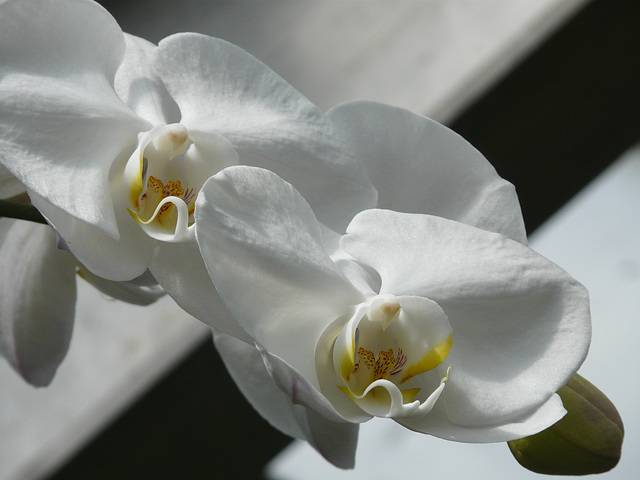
(548, 91)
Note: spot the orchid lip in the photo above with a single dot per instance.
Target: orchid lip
(165, 174)
(380, 355)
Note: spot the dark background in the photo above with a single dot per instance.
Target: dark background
(550, 126)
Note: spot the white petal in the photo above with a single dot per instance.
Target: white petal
(298, 388)
(180, 270)
(222, 89)
(138, 85)
(37, 306)
(336, 441)
(209, 154)
(521, 325)
(263, 249)
(420, 166)
(437, 423)
(365, 280)
(130, 292)
(118, 260)
(244, 363)
(62, 125)
(325, 428)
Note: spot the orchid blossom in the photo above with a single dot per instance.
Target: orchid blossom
(448, 329)
(418, 166)
(114, 137)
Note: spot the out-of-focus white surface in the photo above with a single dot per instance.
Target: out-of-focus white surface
(117, 350)
(596, 237)
(431, 56)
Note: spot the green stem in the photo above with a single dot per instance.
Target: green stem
(21, 211)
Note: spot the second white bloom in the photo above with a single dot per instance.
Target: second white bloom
(448, 329)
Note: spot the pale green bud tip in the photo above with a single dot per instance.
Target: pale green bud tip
(587, 440)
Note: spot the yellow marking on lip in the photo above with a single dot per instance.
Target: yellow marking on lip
(171, 189)
(367, 357)
(155, 193)
(155, 185)
(348, 359)
(136, 186)
(347, 366)
(431, 360)
(347, 392)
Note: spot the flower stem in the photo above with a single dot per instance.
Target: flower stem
(21, 211)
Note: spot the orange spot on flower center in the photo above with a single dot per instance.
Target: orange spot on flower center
(390, 309)
(157, 191)
(171, 189)
(381, 365)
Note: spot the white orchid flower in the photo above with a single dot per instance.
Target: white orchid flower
(448, 329)
(419, 166)
(114, 137)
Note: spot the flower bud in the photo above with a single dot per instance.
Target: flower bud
(587, 440)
